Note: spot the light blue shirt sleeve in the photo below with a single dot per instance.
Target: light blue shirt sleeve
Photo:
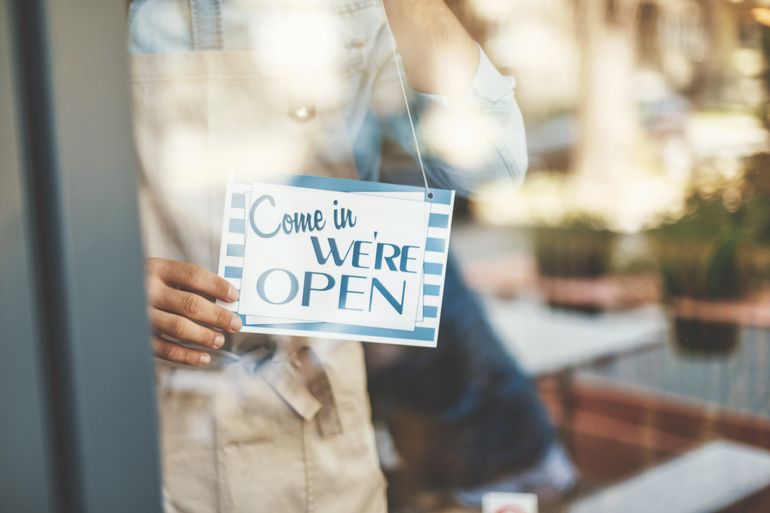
(165, 26)
(493, 94)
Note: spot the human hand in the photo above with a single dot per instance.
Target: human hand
(180, 297)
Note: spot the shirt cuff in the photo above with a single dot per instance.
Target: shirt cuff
(487, 86)
(488, 83)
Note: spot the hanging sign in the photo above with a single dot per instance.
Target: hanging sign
(337, 258)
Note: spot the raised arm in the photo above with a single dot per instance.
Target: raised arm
(438, 54)
(470, 127)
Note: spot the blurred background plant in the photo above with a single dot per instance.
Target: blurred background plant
(573, 223)
(580, 247)
(714, 249)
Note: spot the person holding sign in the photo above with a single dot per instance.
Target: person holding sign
(259, 88)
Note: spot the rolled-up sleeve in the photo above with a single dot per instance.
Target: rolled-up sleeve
(491, 94)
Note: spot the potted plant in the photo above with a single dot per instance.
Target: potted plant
(711, 258)
(578, 251)
(574, 222)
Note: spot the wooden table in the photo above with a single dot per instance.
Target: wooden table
(548, 341)
(557, 343)
(709, 479)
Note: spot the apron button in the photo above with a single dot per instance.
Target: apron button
(303, 114)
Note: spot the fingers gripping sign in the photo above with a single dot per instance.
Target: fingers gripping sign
(181, 309)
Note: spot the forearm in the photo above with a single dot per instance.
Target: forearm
(438, 54)
(499, 150)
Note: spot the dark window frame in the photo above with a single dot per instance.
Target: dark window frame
(79, 429)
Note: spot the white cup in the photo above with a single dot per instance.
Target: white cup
(497, 502)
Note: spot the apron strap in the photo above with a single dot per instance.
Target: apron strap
(318, 384)
(207, 24)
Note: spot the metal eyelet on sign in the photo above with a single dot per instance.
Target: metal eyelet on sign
(303, 114)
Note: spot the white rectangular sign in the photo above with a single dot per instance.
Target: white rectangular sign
(337, 258)
(325, 255)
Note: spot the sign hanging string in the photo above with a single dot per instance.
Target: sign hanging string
(401, 81)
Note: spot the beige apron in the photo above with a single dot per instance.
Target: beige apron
(286, 428)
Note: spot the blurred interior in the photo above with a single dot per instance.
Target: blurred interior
(629, 274)
(611, 313)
